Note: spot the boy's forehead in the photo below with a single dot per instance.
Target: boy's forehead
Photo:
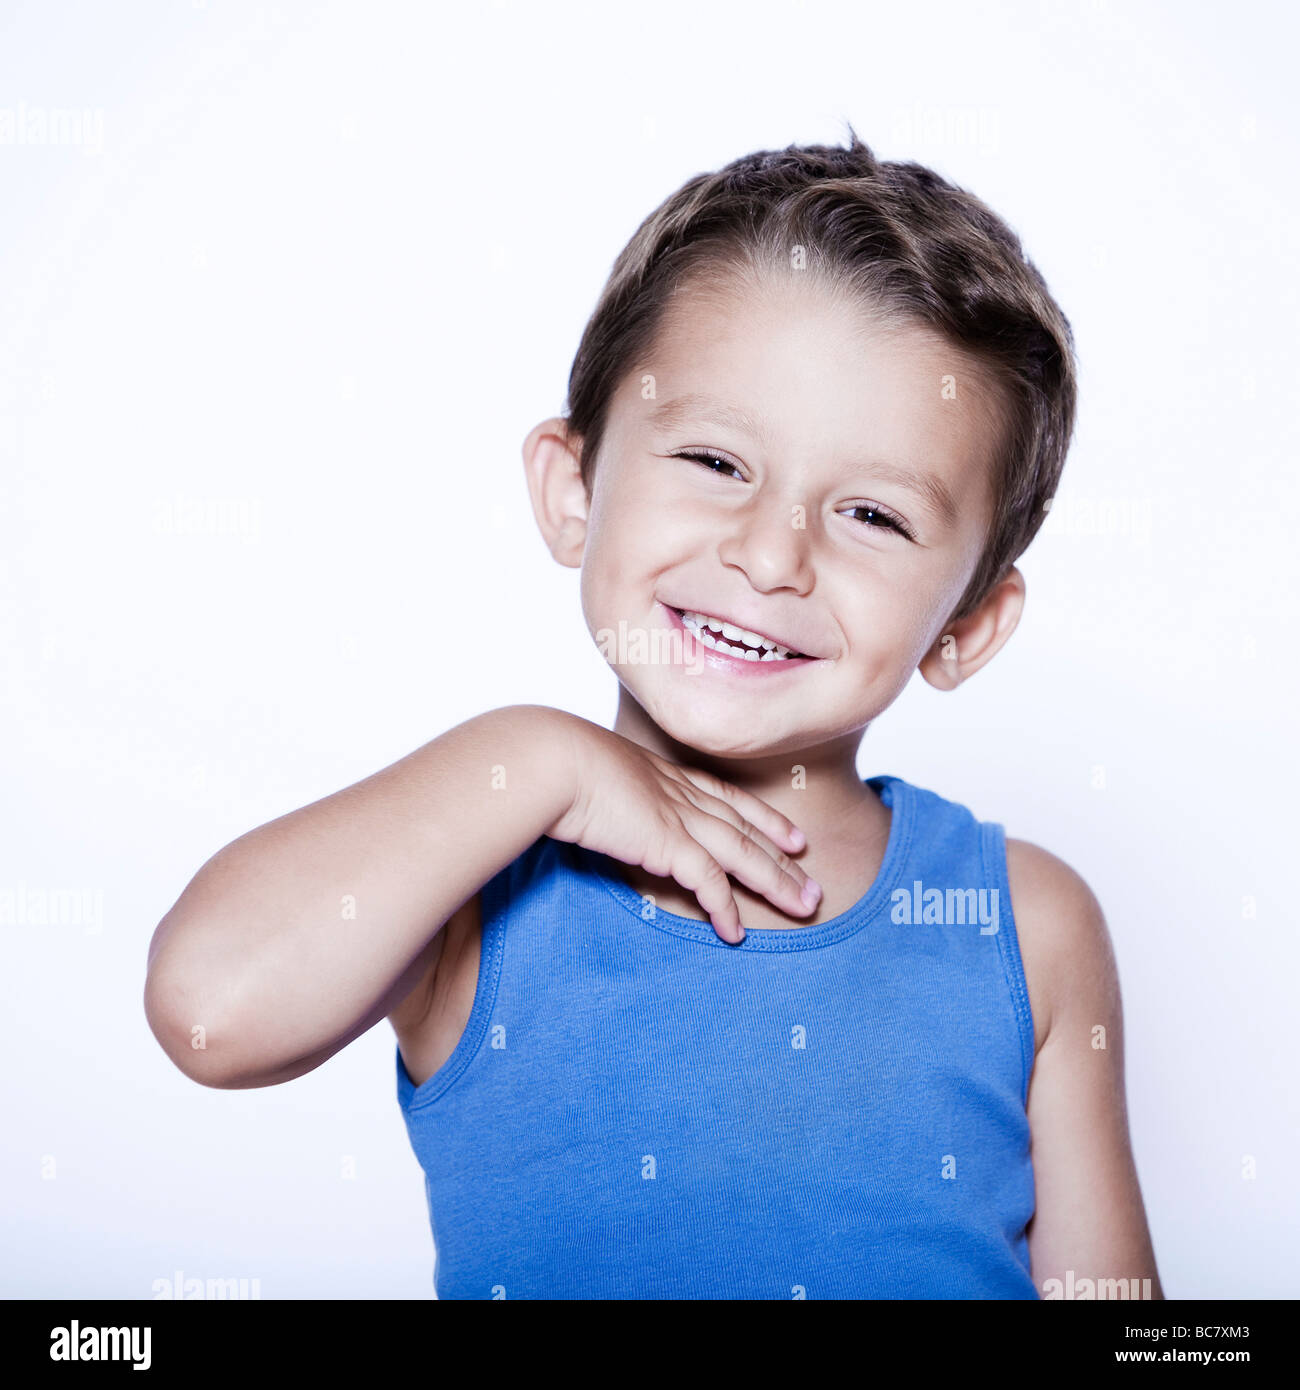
(796, 365)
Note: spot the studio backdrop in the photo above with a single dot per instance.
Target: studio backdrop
(283, 287)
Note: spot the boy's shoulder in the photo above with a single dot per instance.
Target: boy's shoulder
(1065, 944)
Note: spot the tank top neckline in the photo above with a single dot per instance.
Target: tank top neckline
(900, 801)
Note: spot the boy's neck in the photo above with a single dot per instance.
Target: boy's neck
(828, 800)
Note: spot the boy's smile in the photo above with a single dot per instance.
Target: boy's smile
(728, 646)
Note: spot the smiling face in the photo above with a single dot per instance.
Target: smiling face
(807, 473)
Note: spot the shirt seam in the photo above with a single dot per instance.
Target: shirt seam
(993, 858)
(901, 807)
(496, 898)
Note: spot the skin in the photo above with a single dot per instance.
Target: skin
(831, 388)
(835, 391)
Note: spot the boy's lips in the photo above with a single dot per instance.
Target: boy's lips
(782, 636)
(694, 650)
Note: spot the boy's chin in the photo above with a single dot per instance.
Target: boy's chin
(714, 726)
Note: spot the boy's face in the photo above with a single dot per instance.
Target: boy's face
(792, 534)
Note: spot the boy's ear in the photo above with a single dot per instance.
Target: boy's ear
(555, 486)
(966, 646)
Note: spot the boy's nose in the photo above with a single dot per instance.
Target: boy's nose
(772, 544)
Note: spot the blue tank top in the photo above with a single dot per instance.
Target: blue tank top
(638, 1110)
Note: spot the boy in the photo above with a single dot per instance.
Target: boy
(816, 416)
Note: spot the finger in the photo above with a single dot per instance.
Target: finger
(806, 892)
(699, 873)
(740, 851)
(778, 827)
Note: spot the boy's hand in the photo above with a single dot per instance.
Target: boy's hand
(682, 823)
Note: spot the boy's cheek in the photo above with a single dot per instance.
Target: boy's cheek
(631, 645)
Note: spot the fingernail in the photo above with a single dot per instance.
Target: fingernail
(812, 893)
(798, 838)
(741, 937)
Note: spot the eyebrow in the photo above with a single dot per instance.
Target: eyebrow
(930, 488)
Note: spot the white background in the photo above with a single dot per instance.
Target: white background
(321, 270)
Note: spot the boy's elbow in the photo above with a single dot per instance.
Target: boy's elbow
(191, 1033)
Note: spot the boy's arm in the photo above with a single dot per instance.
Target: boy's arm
(302, 934)
(1089, 1215)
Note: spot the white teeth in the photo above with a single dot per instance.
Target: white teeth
(704, 627)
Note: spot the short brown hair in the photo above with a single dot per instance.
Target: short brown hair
(911, 247)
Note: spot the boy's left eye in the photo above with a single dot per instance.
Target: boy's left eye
(891, 522)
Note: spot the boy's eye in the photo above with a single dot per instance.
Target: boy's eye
(884, 520)
(708, 460)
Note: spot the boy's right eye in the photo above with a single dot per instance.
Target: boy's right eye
(707, 460)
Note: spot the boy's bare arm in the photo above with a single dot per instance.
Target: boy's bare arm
(302, 934)
(1089, 1214)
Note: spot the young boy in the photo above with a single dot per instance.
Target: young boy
(817, 415)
